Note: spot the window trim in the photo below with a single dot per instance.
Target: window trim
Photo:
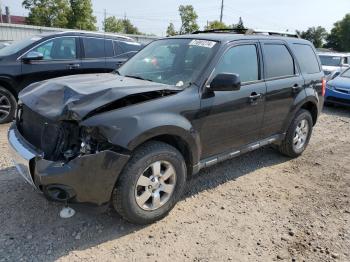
(83, 57)
(229, 47)
(295, 63)
(51, 39)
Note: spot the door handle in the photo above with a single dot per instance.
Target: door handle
(296, 87)
(73, 66)
(254, 96)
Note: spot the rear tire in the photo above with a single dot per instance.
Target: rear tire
(8, 106)
(298, 134)
(151, 183)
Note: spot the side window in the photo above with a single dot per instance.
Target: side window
(130, 46)
(117, 48)
(109, 48)
(94, 47)
(241, 60)
(306, 58)
(278, 61)
(63, 48)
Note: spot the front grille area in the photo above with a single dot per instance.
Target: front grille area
(51, 138)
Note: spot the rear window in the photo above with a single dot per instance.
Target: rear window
(327, 60)
(278, 60)
(94, 47)
(307, 58)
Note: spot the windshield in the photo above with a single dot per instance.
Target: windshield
(330, 60)
(18, 45)
(346, 73)
(170, 61)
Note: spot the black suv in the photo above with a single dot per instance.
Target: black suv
(181, 104)
(57, 54)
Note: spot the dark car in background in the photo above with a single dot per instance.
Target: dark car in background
(52, 55)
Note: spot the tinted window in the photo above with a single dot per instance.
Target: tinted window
(278, 61)
(306, 58)
(241, 60)
(94, 47)
(130, 46)
(63, 48)
(109, 48)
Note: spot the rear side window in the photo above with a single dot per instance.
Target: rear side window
(94, 47)
(109, 48)
(278, 61)
(130, 46)
(241, 60)
(307, 58)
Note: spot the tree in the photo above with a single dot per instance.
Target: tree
(240, 24)
(114, 25)
(339, 38)
(170, 31)
(316, 35)
(216, 25)
(81, 15)
(188, 19)
(129, 28)
(51, 13)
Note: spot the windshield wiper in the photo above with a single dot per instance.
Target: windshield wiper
(139, 77)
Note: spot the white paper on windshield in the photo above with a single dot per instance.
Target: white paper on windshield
(203, 43)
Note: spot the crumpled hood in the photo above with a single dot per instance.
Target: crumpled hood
(340, 82)
(73, 97)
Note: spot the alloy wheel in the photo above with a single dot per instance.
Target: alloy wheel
(155, 185)
(301, 134)
(5, 107)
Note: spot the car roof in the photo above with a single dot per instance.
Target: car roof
(89, 34)
(228, 37)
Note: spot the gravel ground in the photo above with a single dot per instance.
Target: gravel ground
(258, 207)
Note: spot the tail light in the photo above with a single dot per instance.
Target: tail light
(323, 86)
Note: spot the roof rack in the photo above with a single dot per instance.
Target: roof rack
(248, 31)
(223, 30)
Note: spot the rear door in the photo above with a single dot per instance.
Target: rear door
(284, 83)
(61, 57)
(231, 119)
(94, 54)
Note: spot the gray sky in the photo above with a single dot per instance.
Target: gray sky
(153, 16)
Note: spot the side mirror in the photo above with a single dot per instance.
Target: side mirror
(32, 56)
(226, 82)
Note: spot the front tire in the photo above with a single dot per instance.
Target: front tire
(298, 135)
(151, 183)
(8, 106)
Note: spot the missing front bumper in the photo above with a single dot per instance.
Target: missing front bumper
(89, 178)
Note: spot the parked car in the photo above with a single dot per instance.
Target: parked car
(4, 44)
(57, 54)
(338, 90)
(334, 63)
(181, 104)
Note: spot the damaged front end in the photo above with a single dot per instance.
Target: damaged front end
(71, 163)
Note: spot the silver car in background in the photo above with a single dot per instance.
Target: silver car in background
(333, 63)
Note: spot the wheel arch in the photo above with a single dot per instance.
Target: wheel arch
(187, 144)
(7, 85)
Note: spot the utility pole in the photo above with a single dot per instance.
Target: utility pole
(104, 21)
(222, 10)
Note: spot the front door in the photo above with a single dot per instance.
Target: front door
(60, 58)
(231, 119)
